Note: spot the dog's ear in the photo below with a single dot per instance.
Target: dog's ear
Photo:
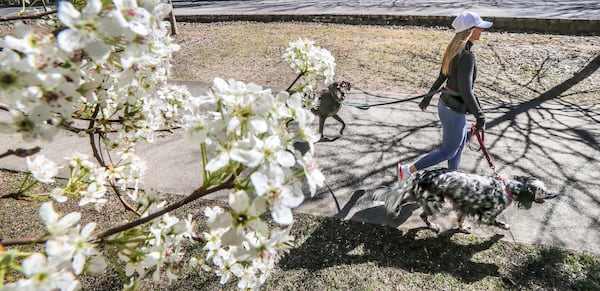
(524, 199)
(346, 85)
(532, 190)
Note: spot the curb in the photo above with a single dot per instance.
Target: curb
(507, 24)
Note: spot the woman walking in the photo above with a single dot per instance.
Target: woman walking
(459, 71)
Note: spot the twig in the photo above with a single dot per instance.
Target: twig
(98, 158)
(296, 80)
(198, 193)
(20, 241)
(28, 16)
(21, 153)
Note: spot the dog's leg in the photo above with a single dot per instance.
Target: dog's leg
(490, 219)
(430, 224)
(321, 123)
(461, 219)
(338, 118)
(501, 224)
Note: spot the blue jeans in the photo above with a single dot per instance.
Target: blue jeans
(454, 136)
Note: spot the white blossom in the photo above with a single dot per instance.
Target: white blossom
(313, 175)
(54, 223)
(43, 275)
(310, 62)
(77, 35)
(42, 168)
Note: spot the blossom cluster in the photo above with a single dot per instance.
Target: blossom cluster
(309, 62)
(67, 254)
(248, 135)
(107, 68)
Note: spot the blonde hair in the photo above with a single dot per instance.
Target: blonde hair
(455, 46)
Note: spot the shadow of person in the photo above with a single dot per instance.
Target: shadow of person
(339, 242)
(379, 215)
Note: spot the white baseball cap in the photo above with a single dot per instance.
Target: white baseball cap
(468, 19)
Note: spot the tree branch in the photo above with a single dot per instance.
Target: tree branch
(296, 80)
(21, 153)
(98, 158)
(198, 193)
(7, 242)
(28, 16)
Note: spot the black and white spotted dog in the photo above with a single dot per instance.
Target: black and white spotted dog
(484, 197)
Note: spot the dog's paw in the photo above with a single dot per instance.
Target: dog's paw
(465, 229)
(502, 224)
(328, 139)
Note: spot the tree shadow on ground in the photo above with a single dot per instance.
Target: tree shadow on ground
(553, 93)
(343, 244)
(531, 273)
(335, 243)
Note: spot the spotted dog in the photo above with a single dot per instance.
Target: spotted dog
(474, 195)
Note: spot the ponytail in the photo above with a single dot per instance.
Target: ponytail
(455, 46)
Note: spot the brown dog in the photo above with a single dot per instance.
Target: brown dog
(330, 102)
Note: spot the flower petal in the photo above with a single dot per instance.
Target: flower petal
(285, 159)
(217, 162)
(260, 182)
(282, 214)
(71, 40)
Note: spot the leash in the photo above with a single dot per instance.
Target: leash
(337, 204)
(480, 138)
(367, 106)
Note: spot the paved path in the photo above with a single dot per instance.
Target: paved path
(541, 16)
(562, 17)
(556, 9)
(558, 142)
(540, 9)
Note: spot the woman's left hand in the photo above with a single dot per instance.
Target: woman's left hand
(423, 105)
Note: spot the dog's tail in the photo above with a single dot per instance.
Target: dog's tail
(380, 193)
(392, 198)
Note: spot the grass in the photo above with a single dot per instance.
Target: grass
(511, 66)
(332, 254)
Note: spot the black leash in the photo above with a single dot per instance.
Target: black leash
(367, 106)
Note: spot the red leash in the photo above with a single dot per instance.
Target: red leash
(480, 138)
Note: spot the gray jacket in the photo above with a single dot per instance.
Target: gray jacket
(461, 81)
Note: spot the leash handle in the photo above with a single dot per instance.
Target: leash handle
(480, 134)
